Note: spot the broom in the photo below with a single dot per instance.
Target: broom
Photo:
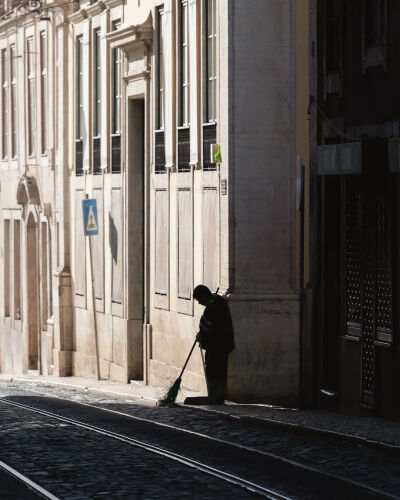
(172, 392)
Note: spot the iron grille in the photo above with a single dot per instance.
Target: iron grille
(79, 157)
(96, 155)
(368, 313)
(183, 149)
(384, 280)
(353, 253)
(159, 152)
(209, 137)
(116, 153)
(369, 270)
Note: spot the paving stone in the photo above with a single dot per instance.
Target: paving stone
(349, 460)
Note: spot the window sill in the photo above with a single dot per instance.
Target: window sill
(374, 56)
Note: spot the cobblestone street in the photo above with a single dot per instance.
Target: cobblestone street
(72, 462)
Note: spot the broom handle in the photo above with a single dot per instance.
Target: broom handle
(187, 360)
(204, 366)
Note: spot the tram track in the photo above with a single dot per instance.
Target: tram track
(350, 489)
(30, 485)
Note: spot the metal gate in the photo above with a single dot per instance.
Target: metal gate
(368, 271)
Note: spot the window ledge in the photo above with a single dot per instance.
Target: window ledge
(374, 56)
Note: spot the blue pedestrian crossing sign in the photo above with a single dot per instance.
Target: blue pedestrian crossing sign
(90, 223)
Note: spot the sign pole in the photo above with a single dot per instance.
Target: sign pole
(90, 228)
(94, 309)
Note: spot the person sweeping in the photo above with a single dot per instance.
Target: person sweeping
(217, 339)
(215, 336)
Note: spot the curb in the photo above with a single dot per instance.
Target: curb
(300, 428)
(82, 388)
(271, 422)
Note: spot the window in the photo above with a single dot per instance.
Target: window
(159, 139)
(210, 62)
(43, 91)
(333, 36)
(116, 106)
(13, 81)
(375, 23)
(183, 90)
(374, 33)
(160, 71)
(97, 83)
(4, 100)
(183, 66)
(6, 261)
(210, 84)
(96, 100)
(30, 71)
(79, 107)
(17, 269)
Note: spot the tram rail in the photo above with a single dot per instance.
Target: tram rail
(251, 486)
(27, 482)
(231, 478)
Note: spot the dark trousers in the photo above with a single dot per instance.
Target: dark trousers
(216, 373)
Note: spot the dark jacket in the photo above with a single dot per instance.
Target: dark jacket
(216, 330)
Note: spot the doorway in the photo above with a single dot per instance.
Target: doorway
(135, 234)
(33, 298)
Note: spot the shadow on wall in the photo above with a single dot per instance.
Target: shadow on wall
(113, 239)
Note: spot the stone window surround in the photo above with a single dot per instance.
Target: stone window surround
(374, 56)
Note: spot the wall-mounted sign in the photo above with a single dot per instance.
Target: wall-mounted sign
(339, 159)
(90, 224)
(224, 186)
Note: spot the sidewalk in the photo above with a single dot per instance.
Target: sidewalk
(373, 431)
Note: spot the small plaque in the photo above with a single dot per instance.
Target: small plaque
(224, 186)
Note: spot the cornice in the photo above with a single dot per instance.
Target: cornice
(127, 37)
(96, 8)
(78, 17)
(143, 75)
(111, 4)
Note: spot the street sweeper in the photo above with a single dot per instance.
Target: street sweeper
(216, 338)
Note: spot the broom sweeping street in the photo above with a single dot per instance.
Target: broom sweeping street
(172, 392)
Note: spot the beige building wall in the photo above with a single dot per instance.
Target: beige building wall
(30, 209)
(168, 220)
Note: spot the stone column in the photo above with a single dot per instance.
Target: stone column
(62, 276)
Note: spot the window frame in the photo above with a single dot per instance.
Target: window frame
(115, 119)
(374, 55)
(97, 82)
(160, 88)
(183, 68)
(5, 103)
(43, 91)
(31, 94)
(116, 87)
(211, 77)
(13, 103)
(79, 126)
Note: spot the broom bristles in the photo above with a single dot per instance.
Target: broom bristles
(172, 392)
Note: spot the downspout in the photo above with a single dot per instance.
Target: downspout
(146, 219)
(231, 146)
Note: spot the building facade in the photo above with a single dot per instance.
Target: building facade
(355, 182)
(184, 126)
